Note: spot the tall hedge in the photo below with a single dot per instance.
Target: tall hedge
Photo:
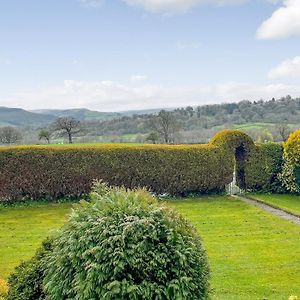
(263, 166)
(58, 171)
(290, 176)
(54, 172)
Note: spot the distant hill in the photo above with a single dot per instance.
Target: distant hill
(23, 118)
(285, 110)
(84, 114)
(81, 114)
(43, 117)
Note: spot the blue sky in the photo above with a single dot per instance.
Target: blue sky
(113, 55)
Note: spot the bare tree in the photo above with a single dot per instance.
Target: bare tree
(10, 135)
(67, 126)
(166, 125)
(45, 134)
(284, 131)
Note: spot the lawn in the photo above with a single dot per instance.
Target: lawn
(287, 202)
(253, 255)
(23, 228)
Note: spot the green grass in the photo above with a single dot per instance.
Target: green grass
(252, 254)
(23, 228)
(258, 125)
(287, 202)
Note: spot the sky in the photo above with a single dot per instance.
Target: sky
(117, 55)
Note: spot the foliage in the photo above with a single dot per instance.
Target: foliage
(152, 137)
(3, 289)
(232, 139)
(124, 245)
(262, 167)
(45, 134)
(40, 172)
(291, 163)
(26, 283)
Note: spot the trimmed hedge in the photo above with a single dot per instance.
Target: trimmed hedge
(290, 175)
(262, 167)
(54, 172)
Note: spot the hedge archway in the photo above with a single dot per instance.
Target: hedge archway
(239, 145)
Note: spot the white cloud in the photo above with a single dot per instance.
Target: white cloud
(175, 6)
(114, 96)
(284, 22)
(289, 68)
(91, 3)
(138, 78)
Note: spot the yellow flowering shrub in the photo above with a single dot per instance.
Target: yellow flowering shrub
(3, 289)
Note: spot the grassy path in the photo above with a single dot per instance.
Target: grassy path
(272, 209)
(289, 203)
(253, 255)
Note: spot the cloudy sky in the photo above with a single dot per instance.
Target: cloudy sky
(114, 55)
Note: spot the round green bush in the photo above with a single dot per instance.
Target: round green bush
(124, 245)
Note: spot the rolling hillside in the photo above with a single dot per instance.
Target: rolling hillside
(41, 118)
(23, 118)
(81, 114)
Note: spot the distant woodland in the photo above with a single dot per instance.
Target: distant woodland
(264, 120)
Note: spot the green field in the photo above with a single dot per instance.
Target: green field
(289, 203)
(253, 255)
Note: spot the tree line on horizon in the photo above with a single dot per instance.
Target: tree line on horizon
(182, 125)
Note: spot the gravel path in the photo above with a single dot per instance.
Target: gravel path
(274, 211)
